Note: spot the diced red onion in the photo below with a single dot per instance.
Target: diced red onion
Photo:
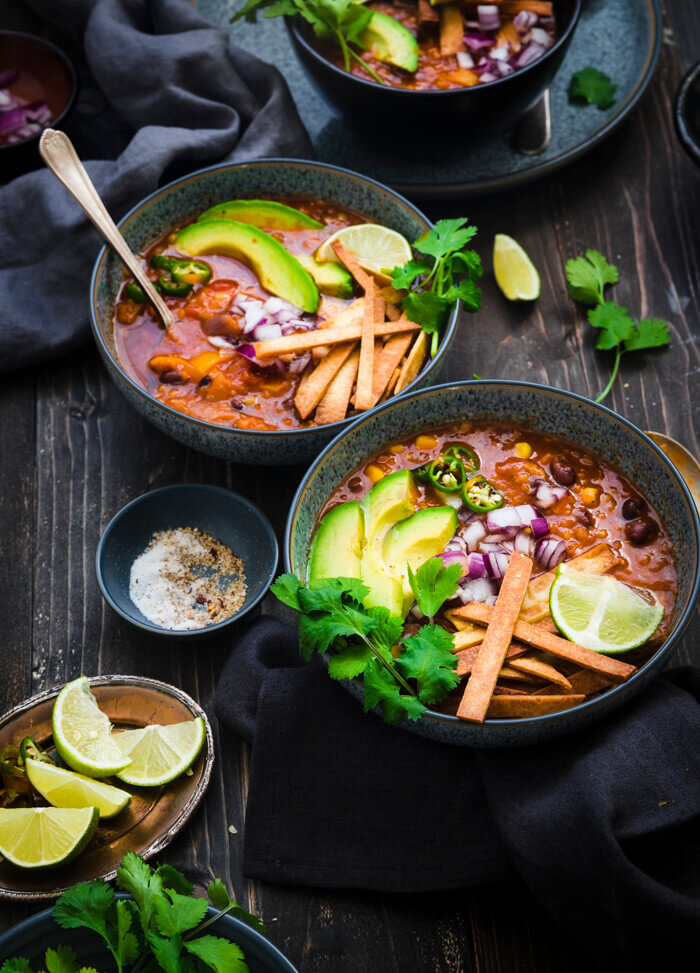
(488, 76)
(527, 55)
(547, 494)
(38, 111)
(489, 18)
(499, 53)
(549, 552)
(504, 68)
(300, 363)
(10, 120)
(449, 558)
(478, 42)
(473, 533)
(267, 332)
(465, 60)
(524, 542)
(518, 516)
(219, 342)
(248, 351)
(491, 600)
(525, 20)
(496, 564)
(476, 589)
(476, 566)
(539, 36)
(457, 544)
(539, 527)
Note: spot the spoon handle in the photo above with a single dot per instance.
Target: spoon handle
(59, 154)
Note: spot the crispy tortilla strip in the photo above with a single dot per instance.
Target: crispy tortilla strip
(426, 15)
(468, 634)
(467, 657)
(464, 76)
(311, 392)
(508, 34)
(393, 311)
(334, 404)
(345, 257)
(386, 361)
(533, 666)
(507, 672)
(508, 691)
(347, 316)
(598, 560)
(414, 360)
(390, 386)
(514, 707)
(302, 340)
(475, 701)
(451, 29)
(584, 681)
(363, 393)
(554, 644)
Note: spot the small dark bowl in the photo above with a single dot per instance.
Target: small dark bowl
(461, 114)
(686, 113)
(35, 935)
(47, 75)
(227, 516)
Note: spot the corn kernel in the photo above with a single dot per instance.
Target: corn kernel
(426, 442)
(397, 448)
(375, 473)
(524, 450)
(589, 496)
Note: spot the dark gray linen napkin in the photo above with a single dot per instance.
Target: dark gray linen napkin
(178, 96)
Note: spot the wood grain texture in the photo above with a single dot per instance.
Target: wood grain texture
(72, 452)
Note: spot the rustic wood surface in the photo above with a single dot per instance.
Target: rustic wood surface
(72, 452)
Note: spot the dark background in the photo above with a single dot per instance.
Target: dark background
(72, 452)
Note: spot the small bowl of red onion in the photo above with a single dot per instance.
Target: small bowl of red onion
(38, 87)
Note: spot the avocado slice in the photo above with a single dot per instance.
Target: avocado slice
(337, 545)
(389, 41)
(264, 213)
(390, 500)
(414, 540)
(331, 278)
(277, 270)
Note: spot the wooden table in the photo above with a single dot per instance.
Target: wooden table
(72, 452)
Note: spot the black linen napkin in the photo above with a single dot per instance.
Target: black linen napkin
(167, 93)
(603, 825)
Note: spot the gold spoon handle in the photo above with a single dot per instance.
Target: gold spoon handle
(60, 156)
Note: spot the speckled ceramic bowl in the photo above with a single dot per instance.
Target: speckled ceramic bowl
(565, 414)
(184, 200)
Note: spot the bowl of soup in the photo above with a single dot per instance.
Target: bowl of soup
(525, 488)
(264, 360)
(461, 69)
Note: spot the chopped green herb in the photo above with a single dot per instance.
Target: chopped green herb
(433, 584)
(592, 87)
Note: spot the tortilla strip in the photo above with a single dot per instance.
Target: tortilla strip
(597, 560)
(301, 340)
(584, 681)
(345, 257)
(543, 8)
(334, 404)
(464, 76)
(310, 394)
(451, 30)
(414, 360)
(386, 361)
(508, 691)
(392, 311)
(533, 666)
(554, 644)
(467, 657)
(507, 672)
(508, 34)
(390, 387)
(426, 14)
(468, 634)
(475, 701)
(363, 392)
(514, 707)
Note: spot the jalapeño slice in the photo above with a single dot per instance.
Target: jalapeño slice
(481, 496)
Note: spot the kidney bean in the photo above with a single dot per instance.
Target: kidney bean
(237, 404)
(641, 530)
(172, 377)
(562, 472)
(631, 508)
(584, 516)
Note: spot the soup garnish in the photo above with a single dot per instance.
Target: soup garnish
(420, 45)
(488, 552)
(19, 119)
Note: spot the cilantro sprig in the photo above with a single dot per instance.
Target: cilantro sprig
(339, 21)
(445, 272)
(160, 926)
(401, 674)
(587, 278)
(592, 87)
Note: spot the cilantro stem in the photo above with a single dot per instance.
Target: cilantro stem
(387, 665)
(372, 73)
(613, 374)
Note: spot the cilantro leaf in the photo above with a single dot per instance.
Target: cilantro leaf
(350, 661)
(445, 237)
(427, 309)
(467, 292)
(171, 878)
(127, 943)
(286, 589)
(649, 333)
(403, 277)
(142, 883)
(616, 326)
(218, 954)
(433, 584)
(588, 276)
(381, 689)
(167, 951)
(592, 87)
(16, 965)
(428, 658)
(220, 899)
(87, 905)
(61, 960)
(179, 914)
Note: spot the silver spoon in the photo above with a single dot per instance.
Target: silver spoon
(59, 154)
(682, 459)
(533, 131)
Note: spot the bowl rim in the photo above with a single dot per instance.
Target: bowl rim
(72, 74)
(143, 204)
(654, 660)
(680, 110)
(204, 488)
(295, 23)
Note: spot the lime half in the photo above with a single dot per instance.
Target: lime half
(63, 788)
(515, 273)
(159, 754)
(43, 837)
(376, 248)
(82, 734)
(600, 613)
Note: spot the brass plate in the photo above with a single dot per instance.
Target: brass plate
(154, 815)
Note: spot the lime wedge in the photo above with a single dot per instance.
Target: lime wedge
(159, 754)
(601, 613)
(43, 837)
(82, 734)
(515, 273)
(63, 788)
(376, 248)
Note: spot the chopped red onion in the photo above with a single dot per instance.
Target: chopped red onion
(488, 76)
(541, 37)
(10, 120)
(267, 332)
(473, 533)
(504, 517)
(491, 600)
(539, 527)
(496, 563)
(476, 589)
(476, 565)
(499, 53)
(457, 544)
(525, 20)
(489, 18)
(524, 542)
(547, 494)
(504, 68)
(248, 351)
(300, 363)
(478, 41)
(527, 55)
(449, 558)
(464, 59)
(550, 552)
(219, 342)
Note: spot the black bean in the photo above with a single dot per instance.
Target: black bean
(204, 381)
(355, 484)
(562, 471)
(631, 509)
(172, 377)
(640, 531)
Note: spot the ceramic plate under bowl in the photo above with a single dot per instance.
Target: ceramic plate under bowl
(574, 418)
(155, 814)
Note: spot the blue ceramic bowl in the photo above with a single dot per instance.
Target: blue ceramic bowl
(35, 935)
(229, 517)
(686, 113)
(565, 414)
(183, 200)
